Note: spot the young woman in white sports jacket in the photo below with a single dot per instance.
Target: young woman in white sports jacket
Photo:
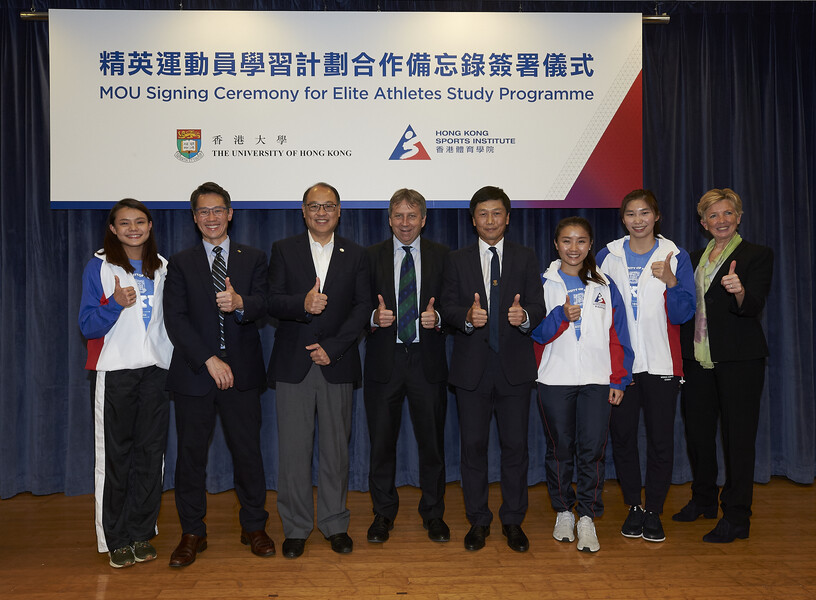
(584, 368)
(657, 283)
(128, 353)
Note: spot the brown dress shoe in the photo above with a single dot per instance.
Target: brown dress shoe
(260, 543)
(185, 552)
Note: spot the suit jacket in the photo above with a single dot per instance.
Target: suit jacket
(461, 279)
(379, 361)
(191, 319)
(735, 332)
(337, 329)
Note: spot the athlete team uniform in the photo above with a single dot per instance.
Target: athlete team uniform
(654, 313)
(579, 363)
(128, 353)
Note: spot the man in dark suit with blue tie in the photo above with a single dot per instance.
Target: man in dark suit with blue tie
(213, 298)
(405, 356)
(319, 292)
(493, 297)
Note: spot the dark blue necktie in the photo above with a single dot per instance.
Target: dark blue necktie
(219, 275)
(493, 317)
(407, 299)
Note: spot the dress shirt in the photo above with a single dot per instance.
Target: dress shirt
(486, 257)
(321, 256)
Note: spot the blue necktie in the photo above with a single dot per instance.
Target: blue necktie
(219, 275)
(493, 317)
(407, 299)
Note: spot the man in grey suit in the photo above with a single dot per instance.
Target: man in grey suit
(405, 356)
(318, 289)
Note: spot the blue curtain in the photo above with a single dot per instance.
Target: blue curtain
(729, 97)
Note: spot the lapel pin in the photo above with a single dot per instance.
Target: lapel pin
(342, 250)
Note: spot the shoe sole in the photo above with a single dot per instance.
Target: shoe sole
(564, 540)
(649, 539)
(122, 566)
(632, 536)
(146, 558)
(588, 549)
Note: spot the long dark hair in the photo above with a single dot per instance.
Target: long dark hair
(589, 270)
(115, 253)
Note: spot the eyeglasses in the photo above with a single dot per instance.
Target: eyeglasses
(329, 207)
(216, 211)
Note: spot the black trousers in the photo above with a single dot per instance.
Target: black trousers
(427, 405)
(511, 405)
(131, 414)
(240, 413)
(731, 391)
(656, 396)
(576, 423)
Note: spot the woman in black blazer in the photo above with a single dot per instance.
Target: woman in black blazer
(724, 351)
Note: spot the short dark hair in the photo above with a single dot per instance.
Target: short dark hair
(412, 197)
(209, 188)
(486, 194)
(649, 198)
(321, 184)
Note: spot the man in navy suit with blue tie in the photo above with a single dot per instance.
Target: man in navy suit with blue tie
(493, 297)
(319, 292)
(213, 298)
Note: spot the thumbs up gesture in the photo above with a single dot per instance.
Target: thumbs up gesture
(662, 270)
(123, 296)
(315, 302)
(732, 283)
(476, 315)
(571, 311)
(382, 316)
(428, 318)
(229, 300)
(516, 314)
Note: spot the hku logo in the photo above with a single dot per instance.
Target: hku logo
(409, 147)
(188, 143)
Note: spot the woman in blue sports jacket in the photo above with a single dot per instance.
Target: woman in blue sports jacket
(128, 354)
(584, 368)
(657, 283)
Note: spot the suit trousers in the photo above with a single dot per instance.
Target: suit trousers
(240, 413)
(427, 404)
(656, 395)
(297, 405)
(131, 415)
(511, 405)
(576, 424)
(732, 392)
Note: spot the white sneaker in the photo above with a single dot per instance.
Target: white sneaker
(564, 526)
(587, 538)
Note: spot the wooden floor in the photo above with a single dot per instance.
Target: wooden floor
(48, 552)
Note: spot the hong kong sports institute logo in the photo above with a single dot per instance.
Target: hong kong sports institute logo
(409, 147)
(188, 143)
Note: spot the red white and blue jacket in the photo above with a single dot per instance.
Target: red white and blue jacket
(603, 355)
(655, 334)
(117, 337)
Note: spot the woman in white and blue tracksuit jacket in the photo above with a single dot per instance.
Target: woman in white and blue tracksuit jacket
(657, 284)
(128, 353)
(584, 367)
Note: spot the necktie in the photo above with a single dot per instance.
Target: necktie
(407, 299)
(219, 275)
(493, 317)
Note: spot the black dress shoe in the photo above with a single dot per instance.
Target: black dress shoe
(438, 530)
(259, 542)
(293, 547)
(475, 538)
(691, 511)
(378, 532)
(726, 532)
(341, 543)
(516, 538)
(185, 552)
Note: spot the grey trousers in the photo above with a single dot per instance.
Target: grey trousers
(300, 406)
